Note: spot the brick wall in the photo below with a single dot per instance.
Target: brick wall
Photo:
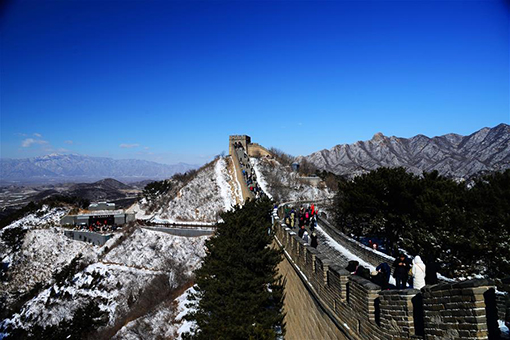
(359, 309)
(257, 150)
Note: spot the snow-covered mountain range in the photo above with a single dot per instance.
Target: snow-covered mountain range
(72, 168)
(452, 155)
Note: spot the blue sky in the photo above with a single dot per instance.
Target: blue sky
(168, 81)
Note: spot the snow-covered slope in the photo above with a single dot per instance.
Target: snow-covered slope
(152, 250)
(39, 248)
(121, 277)
(43, 218)
(284, 185)
(164, 322)
(43, 252)
(201, 200)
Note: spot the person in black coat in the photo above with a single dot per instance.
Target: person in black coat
(385, 269)
(431, 269)
(301, 231)
(401, 265)
(313, 240)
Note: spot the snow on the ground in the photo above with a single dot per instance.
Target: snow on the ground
(152, 249)
(222, 178)
(238, 191)
(167, 321)
(110, 285)
(140, 213)
(261, 180)
(284, 185)
(111, 280)
(43, 249)
(183, 309)
(155, 325)
(505, 332)
(202, 199)
(43, 252)
(347, 254)
(42, 218)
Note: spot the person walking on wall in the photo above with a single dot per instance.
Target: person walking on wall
(419, 270)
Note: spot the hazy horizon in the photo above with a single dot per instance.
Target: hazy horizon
(200, 164)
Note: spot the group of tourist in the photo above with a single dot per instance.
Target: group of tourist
(306, 217)
(408, 274)
(416, 274)
(247, 170)
(98, 227)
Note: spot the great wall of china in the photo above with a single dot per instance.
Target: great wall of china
(324, 301)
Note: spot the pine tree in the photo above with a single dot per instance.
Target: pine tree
(239, 294)
(467, 229)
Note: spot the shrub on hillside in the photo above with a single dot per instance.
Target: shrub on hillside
(283, 158)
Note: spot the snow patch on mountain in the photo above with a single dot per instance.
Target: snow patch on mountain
(222, 178)
(260, 177)
(152, 249)
(167, 321)
(202, 199)
(43, 252)
(285, 185)
(42, 218)
(452, 155)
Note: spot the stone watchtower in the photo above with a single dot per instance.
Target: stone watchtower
(243, 139)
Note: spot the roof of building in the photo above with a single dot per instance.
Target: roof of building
(101, 203)
(103, 212)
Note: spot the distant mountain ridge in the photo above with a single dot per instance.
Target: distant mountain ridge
(452, 155)
(59, 167)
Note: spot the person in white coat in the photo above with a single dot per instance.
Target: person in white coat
(418, 273)
(305, 237)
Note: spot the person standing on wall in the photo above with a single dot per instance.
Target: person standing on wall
(419, 270)
(401, 265)
(313, 240)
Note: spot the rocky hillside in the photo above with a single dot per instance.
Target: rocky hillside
(452, 155)
(73, 168)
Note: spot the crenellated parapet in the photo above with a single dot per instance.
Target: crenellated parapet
(362, 311)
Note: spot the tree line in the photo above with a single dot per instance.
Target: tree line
(463, 225)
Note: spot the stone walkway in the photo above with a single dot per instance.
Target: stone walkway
(324, 248)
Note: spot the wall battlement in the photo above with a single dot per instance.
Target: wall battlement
(243, 139)
(464, 310)
(252, 149)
